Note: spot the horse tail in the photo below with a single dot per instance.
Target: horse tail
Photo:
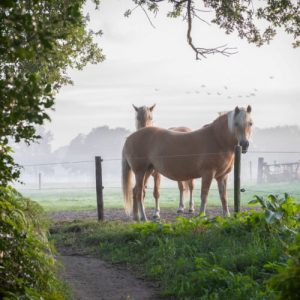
(127, 185)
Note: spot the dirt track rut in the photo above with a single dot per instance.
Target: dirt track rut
(93, 279)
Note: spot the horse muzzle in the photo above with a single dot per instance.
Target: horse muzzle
(245, 145)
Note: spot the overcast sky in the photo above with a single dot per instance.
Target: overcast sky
(145, 65)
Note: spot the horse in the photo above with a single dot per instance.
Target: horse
(206, 153)
(144, 118)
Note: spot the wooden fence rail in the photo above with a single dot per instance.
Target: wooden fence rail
(237, 178)
(99, 188)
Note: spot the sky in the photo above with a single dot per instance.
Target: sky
(146, 65)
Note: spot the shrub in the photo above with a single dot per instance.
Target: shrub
(27, 265)
(287, 280)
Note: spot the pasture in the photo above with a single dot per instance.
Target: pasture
(68, 198)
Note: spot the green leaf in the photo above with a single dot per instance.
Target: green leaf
(48, 88)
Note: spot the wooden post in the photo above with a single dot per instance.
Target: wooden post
(260, 167)
(237, 178)
(99, 188)
(40, 181)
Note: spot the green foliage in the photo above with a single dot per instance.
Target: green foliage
(238, 16)
(39, 40)
(283, 212)
(282, 215)
(287, 280)
(27, 265)
(210, 281)
(200, 258)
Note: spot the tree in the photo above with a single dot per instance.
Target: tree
(38, 152)
(101, 140)
(39, 41)
(241, 16)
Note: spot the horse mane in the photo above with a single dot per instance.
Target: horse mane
(221, 115)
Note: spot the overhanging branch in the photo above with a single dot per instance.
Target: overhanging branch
(224, 50)
(192, 12)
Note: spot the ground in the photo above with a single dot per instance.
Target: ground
(91, 278)
(113, 214)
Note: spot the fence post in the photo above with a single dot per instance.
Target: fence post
(237, 178)
(99, 188)
(260, 170)
(40, 181)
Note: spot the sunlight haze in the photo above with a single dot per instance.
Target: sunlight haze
(146, 65)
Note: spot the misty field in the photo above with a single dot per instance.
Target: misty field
(76, 198)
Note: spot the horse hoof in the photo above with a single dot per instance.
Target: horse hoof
(180, 211)
(155, 217)
(191, 211)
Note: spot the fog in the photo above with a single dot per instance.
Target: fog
(74, 163)
(144, 66)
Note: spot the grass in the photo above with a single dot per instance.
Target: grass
(76, 199)
(188, 258)
(208, 259)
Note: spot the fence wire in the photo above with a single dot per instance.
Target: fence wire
(106, 159)
(90, 187)
(243, 190)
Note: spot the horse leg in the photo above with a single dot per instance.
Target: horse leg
(135, 205)
(206, 182)
(156, 195)
(147, 175)
(140, 187)
(191, 184)
(222, 186)
(181, 200)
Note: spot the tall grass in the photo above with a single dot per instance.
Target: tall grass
(199, 258)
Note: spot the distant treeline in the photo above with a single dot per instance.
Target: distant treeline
(107, 143)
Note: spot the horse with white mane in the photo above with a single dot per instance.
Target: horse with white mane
(144, 118)
(207, 153)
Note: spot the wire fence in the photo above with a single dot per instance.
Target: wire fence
(107, 159)
(47, 185)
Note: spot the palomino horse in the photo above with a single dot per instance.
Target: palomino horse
(207, 153)
(144, 118)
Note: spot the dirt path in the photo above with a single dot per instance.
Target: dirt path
(167, 214)
(93, 279)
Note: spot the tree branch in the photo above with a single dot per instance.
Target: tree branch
(224, 50)
(147, 15)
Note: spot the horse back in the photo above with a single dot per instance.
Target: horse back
(180, 129)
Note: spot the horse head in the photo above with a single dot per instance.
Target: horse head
(144, 116)
(241, 126)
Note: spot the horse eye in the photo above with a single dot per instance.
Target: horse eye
(250, 123)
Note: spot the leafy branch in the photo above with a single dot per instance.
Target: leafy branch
(238, 16)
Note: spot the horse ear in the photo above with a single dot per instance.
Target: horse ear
(249, 109)
(136, 109)
(152, 107)
(237, 110)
